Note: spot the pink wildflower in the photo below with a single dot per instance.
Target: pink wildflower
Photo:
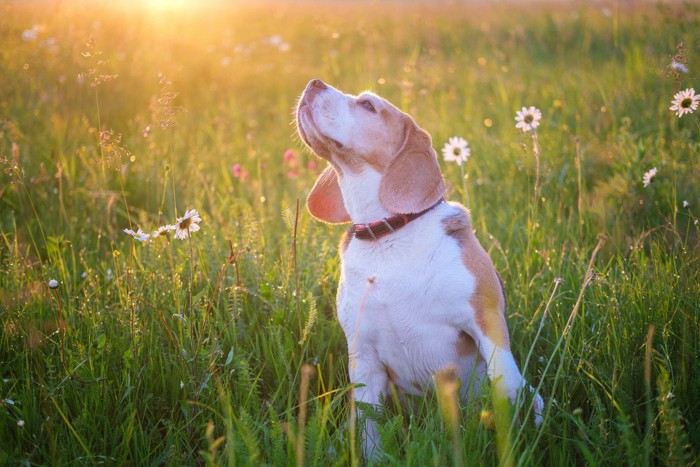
(290, 156)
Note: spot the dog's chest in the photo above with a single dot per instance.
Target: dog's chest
(405, 299)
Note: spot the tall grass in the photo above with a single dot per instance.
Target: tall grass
(225, 349)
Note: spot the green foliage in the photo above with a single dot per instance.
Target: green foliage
(171, 352)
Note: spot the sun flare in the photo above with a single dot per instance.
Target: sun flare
(172, 4)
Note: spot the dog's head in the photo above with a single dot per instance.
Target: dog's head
(365, 132)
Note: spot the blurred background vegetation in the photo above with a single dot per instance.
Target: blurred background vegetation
(118, 115)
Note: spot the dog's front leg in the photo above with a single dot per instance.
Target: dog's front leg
(501, 367)
(371, 380)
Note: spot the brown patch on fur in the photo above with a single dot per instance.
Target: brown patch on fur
(488, 299)
(456, 224)
(391, 374)
(412, 180)
(465, 345)
(325, 202)
(345, 240)
(503, 291)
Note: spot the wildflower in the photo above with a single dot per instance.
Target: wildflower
(685, 101)
(187, 223)
(162, 230)
(53, 284)
(275, 40)
(456, 149)
(139, 235)
(50, 42)
(30, 34)
(182, 385)
(289, 156)
(528, 119)
(685, 203)
(240, 172)
(648, 177)
(109, 275)
(678, 66)
(20, 423)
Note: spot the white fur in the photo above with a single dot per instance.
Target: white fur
(360, 196)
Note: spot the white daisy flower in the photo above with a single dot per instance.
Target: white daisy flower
(162, 230)
(528, 118)
(187, 223)
(31, 34)
(678, 66)
(686, 203)
(648, 177)
(457, 150)
(139, 235)
(685, 101)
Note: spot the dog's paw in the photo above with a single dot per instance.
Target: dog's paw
(537, 406)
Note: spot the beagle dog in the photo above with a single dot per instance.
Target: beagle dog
(417, 293)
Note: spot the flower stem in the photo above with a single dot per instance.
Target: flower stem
(189, 239)
(536, 150)
(579, 168)
(464, 186)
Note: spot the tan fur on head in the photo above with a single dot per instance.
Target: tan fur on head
(412, 181)
(362, 134)
(325, 202)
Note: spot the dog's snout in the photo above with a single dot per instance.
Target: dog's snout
(318, 84)
(315, 87)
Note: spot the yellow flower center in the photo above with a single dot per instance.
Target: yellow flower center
(686, 103)
(185, 223)
(529, 118)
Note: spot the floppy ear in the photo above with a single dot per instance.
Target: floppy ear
(325, 202)
(412, 181)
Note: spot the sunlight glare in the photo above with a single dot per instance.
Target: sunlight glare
(171, 4)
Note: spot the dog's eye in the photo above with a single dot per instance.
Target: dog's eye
(367, 105)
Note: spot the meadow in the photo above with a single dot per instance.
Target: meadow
(222, 347)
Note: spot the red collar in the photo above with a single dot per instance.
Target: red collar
(378, 229)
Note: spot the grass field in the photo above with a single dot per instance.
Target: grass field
(223, 348)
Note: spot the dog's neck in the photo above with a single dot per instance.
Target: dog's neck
(361, 195)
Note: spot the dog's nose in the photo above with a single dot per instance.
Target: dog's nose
(316, 84)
